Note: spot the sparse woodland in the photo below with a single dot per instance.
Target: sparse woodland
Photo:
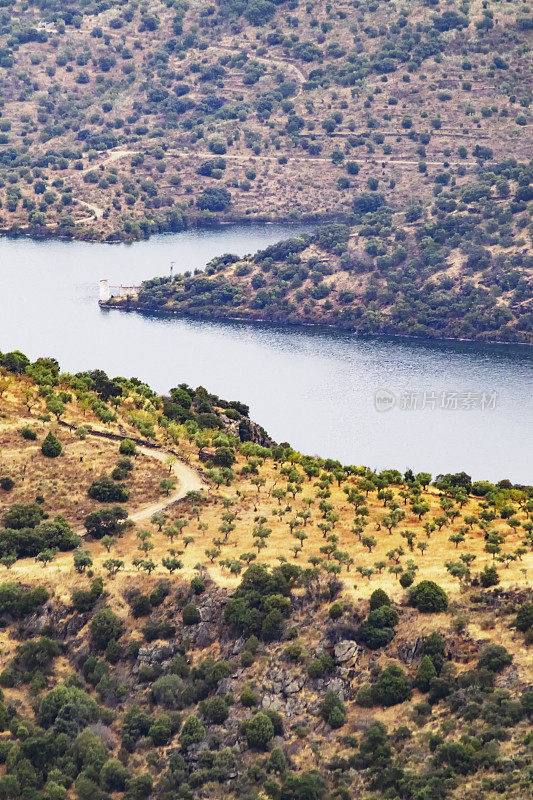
(123, 119)
(290, 628)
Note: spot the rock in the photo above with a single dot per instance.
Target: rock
(346, 650)
(157, 653)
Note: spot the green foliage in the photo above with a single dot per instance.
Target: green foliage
(332, 710)
(192, 732)
(105, 490)
(392, 687)
(191, 615)
(259, 731)
(105, 626)
(428, 597)
(51, 446)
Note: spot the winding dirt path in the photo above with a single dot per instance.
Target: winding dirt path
(188, 480)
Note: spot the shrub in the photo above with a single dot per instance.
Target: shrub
(259, 731)
(127, 447)
(166, 691)
(51, 446)
(106, 490)
(332, 711)
(249, 697)
(190, 615)
(335, 611)
(524, 617)
(114, 775)
(425, 674)
(215, 710)
(379, 598)
(392, 687)
(197, 586)
(489, 576)
(7, 484)
(494, 658)
(105, 625)
(428, 597)
(192, 732)
(364, 696)
(434, 647)
(318, 667)
(28, 433)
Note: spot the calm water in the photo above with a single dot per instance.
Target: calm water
(313, 388)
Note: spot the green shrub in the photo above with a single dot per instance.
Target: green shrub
(524, 617)
(494, 658)
(127, 447)
(105, 626)
(489, 576)
(114, 776)
(106, 490)
(7, 484)
(249, 697)
(192, 732)
(190, 615)
(51, 446)
(392, 687)
(28, 433)
(332, 710)
(215, 710)
(335, 611)
(259, 731)
(379, 598)
(428, 597)
(425, 674)
(364, 696)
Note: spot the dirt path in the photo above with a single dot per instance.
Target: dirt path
(99, 212)
(188, 480)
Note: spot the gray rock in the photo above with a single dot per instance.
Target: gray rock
(346, 650)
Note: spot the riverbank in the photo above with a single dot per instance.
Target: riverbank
(129, 305)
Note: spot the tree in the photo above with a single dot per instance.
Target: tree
(108, 542)
(457, 537)
(259, 731)
(55, 406)
(51, 446)
(392, 687)
(158, 520)
(113, 565)
(105, 490)
(46, 556)
(171, 563)
(192, 732)
(425, 674)
(106, 522)
(105, 626)
(82, 560)
(428, 597)
(369, 541)
(166, 485)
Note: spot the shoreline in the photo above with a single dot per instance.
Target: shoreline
(316, 326)
(50, 234)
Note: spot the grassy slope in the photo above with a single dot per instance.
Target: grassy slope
(473, 618)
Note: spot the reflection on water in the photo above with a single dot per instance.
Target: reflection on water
(450, 406)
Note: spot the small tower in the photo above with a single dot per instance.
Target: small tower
(105, 291)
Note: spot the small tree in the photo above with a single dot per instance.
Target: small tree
(51, 446)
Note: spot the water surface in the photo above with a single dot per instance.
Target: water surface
(314, 388)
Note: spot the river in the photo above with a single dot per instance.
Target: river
(430, 406)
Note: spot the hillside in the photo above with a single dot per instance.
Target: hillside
(460, 267)
(190, 610)
(122, 119)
